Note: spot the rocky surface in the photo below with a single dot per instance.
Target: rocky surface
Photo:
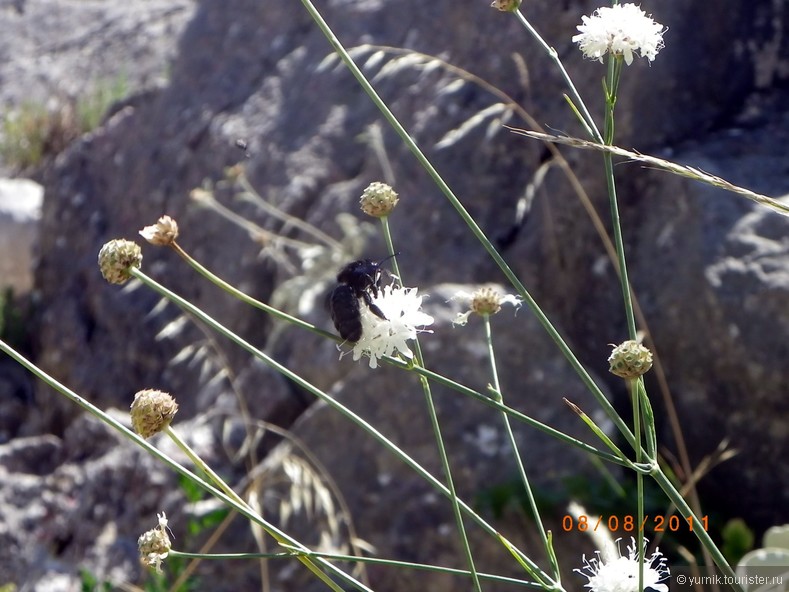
(20, 215)
(708, 267)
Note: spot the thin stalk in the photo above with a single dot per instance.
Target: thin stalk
(514, 444)
(686, 512)
(330, 401)
(431, 408)
(587, 119)
(358, 559)
(203, 466)
(610, 100)
(470, 222)
(633, 388)
(486, 400)
(242, 508)
(235, 292)
(613, 76)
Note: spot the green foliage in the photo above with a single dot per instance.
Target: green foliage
(194, 494)
(90, 583)
(32, 131)
(35, 131)
(738, 539)
(13, 320)
(163, 582)
(92, 108)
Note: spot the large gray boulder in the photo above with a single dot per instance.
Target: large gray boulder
(260, 76)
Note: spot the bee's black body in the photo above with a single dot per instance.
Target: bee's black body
(357, 281)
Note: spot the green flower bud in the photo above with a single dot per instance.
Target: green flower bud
(630, 359)
(378, 200)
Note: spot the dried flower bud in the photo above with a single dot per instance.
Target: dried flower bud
(630, 359)
(152, 411)
(154, 545)
(378, 200)
(506, 5)
(163, 233)
(486, 301)
(117, 257)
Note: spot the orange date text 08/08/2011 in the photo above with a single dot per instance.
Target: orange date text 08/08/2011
(629, 523)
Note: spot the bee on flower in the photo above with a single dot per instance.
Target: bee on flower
(402, 320)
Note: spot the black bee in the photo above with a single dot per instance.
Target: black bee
(359, 280)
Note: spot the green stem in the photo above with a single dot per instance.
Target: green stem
(203, 466)
(612, 85)
(358, 559)
(519, 461)
(330, 401)
(685, 511)
(587, 120)
(633, 388)
(488, 401)
(235, 292)
(470, 222)
(431, 408)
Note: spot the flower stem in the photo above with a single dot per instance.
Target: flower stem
(203, 466)
(514, 444)
(235, 292)
(612, 84)
(587, 119)
(358, 559)
(431, 408)
(704, 538)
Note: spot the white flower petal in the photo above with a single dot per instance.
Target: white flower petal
(621, 29)
(614, 573)
(388, 337)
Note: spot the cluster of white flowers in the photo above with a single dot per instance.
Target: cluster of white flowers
(612, 572)
(385, 337)
(622, 29)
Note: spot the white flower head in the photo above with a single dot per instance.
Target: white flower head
(385, 337)
(485, 301)
(613, 572)
(621, 29)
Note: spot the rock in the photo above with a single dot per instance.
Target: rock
(20, 213)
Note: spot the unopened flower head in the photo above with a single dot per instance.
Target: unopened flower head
(611, 572)
(484, 301)
(152, 411)
(387, 337)
(117, 257)
(163, 233)
(378, 200)
(154, 545)
(630, 359)
(622, 29)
